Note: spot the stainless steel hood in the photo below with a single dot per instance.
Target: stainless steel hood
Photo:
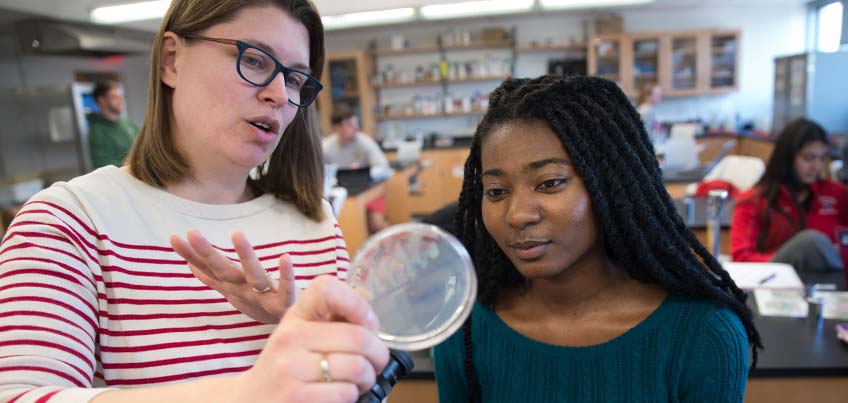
(70, 38)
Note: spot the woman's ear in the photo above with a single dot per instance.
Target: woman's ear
(168, 59)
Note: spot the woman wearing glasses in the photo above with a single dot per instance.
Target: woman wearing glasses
(97, 303)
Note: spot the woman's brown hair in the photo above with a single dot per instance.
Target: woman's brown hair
(294, 171)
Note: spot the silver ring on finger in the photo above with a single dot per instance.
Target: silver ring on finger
(325, 369)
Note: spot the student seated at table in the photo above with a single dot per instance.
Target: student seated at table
(348, 148)
(792, 214)
(591, 288)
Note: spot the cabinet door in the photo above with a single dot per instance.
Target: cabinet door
(790, 85)
(453, 161)
(428, 193)
(724, 51)
(646, 62)
(605, 58)
(345, 82)
(684, 65)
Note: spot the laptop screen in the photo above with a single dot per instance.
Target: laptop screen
(353, 179)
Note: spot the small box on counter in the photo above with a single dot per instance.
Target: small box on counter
(608, 24)
(493, 34)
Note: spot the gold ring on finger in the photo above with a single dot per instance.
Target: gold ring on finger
(325, 370)
(263, 290)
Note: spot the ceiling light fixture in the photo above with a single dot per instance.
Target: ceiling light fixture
(567, 4)
(475, 8)
(147, 10)
(368, 18)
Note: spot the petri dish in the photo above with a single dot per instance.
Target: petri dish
(420, 282)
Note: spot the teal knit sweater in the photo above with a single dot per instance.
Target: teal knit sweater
(685, 351)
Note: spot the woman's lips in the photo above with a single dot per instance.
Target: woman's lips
(530, 250)
(262, 136)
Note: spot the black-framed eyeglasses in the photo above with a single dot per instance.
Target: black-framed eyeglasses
(258, 67)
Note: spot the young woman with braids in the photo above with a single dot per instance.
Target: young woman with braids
(591, 288)
(792, 214)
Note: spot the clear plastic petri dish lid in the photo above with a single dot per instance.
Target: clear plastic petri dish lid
(420, 282)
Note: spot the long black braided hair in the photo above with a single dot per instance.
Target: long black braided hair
(780, 171)
(640, 229)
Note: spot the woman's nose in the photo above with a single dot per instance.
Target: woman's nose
(275, 93)
(523, 210)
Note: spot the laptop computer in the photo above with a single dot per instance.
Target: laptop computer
(697, 173)
(354, 180)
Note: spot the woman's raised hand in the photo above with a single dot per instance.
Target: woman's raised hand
(247, 285)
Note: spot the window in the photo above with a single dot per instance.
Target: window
(829, 27)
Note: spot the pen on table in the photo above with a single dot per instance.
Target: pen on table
(766, 279)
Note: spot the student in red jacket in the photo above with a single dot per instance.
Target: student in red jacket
(792, 214)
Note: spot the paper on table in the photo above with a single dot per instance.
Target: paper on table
(842, 331)
(789, 303)
(749, 276)
(835, 304)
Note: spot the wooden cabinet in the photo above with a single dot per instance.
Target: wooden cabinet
(642, 61)
(685, 65)
(345, 80)
(724, 61)
(632, 61)
(437, 183)
(605, 57)
(790, 89)
(682, 63)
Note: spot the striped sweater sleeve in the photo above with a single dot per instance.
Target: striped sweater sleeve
(342, 256)
(48, 304)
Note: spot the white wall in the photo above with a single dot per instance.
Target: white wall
(767, 32)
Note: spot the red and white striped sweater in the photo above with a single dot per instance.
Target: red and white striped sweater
(92, 295)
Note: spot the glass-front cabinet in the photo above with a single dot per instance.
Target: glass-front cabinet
(724, 61)
(345, 80)
(683, 63)
(605, 58)
(644, 63)
(684, 60)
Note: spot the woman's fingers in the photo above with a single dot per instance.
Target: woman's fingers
(336, 319)
(327, 298)
(328, 392)
(213, 262)
(187, 252)
(323, 346)
(341, 337)
(343, 367)
(255, 274)
(205, 279)
(286, 286)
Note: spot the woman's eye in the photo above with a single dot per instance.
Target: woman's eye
(251, 61)
(295, 80)
(551, 184)
(495, 193)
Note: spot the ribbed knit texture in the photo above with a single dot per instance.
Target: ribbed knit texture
(685, 351)
(92, 295)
